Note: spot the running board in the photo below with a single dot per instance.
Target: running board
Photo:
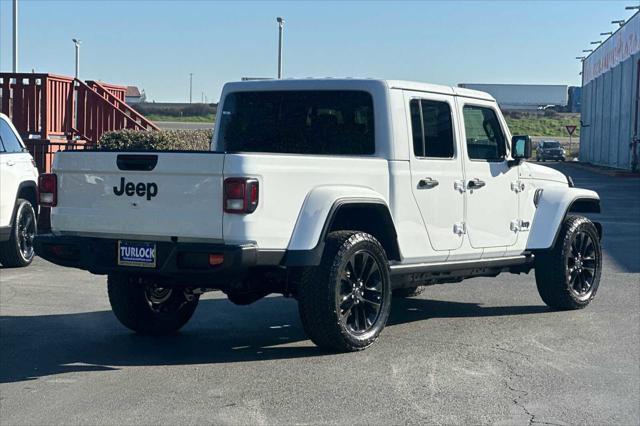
(435, 267)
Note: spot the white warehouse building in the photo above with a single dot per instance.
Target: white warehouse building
(610, 132)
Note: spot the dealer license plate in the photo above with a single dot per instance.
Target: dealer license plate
(137, 253)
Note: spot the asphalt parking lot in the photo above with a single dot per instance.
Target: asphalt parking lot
(485, 351)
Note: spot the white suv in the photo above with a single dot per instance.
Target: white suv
(18, 198)
(336, 192)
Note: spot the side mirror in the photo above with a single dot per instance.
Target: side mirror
(521, 147)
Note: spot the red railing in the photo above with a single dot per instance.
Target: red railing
(58, 108)
(54, 113)
(39, 105)
(99, 111)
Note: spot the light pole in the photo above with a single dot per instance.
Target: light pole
(619, 22)
(77, 42)
(587, 50)
(190, 87)
(608, 33)
(15, 36)
(280, 21)
(632, 7)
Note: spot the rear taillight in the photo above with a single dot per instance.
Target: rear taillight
(48, 189)
(240, 195)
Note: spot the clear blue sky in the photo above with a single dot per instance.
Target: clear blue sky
(156, 44)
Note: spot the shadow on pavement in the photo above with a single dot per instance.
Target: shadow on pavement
(38, 346)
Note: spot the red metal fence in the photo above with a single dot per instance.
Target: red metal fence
(100, 110)
(40, 105)
(54, 113)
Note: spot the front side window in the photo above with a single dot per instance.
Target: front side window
(329, 122)
(485, 140)
(9, 139)
(431, 128)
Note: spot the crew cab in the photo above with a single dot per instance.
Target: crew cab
(337, 192)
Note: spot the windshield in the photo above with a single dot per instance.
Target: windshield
(552, 144)
(298, 122)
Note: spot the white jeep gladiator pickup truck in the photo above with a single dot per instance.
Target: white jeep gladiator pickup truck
(338, 192)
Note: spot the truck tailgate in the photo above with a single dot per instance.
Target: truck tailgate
(143, 195)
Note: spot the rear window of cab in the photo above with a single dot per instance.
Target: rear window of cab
(315, 122)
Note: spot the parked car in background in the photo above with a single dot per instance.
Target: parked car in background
(550, 150)
(18, 198)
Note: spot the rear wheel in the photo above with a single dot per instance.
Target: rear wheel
(568, 274)
(344, 302)
(141, 305)
(18, 250)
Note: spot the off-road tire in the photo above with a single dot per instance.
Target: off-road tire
(320, 288)
(408, 291)
(11, 254)
(553, 266)
(132, 308)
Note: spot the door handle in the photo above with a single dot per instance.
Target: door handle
(10, 163)
(476, 184)
(427, 183)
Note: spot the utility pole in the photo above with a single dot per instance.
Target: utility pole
(190, 87)
(15, 36)
(280, 21)
(77, 43)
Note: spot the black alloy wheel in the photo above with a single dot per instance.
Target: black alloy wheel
(582, 264)
(360, 295)
(344, 302)
(26, 232)
(18, 250)
(568, 274)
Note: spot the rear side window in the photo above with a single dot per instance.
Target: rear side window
(298, 122)
(431, 128)
(9, 139)
(485, 140)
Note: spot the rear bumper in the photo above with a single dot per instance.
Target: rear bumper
(180, 263)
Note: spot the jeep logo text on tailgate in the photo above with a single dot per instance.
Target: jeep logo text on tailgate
(150, 189)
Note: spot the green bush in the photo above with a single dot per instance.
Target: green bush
(162, 140)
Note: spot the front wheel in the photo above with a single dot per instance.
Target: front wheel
(344, 302)
(568, 274)
(143, 306)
